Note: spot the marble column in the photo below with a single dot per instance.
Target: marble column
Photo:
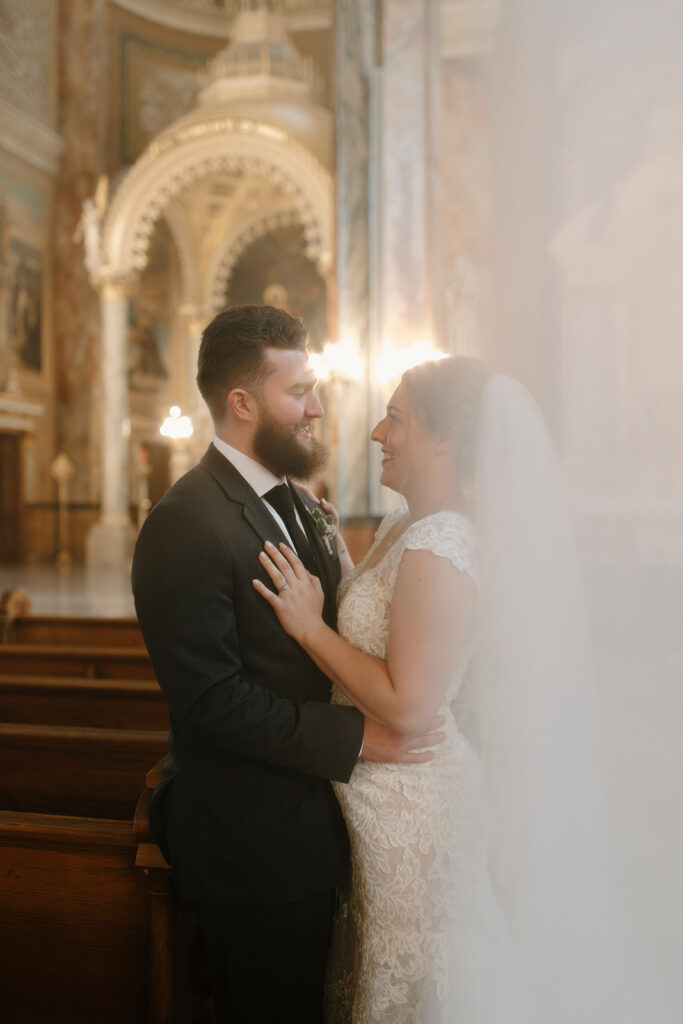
(110, 541)
(195, 319)
(404, 181)
(410, 72)
(348, 401)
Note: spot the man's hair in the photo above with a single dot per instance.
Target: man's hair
(232, 350)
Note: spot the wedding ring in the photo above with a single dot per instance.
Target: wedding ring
(285, 586)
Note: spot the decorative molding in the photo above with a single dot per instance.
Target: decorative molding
(182, 239)
(220, 144)
(203, 17)
(28, 139)
(468, 27)
(18, 413)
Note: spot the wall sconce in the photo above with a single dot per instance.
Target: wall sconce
(394, 360)
(339, 360)
(175, 425)
(178, 428)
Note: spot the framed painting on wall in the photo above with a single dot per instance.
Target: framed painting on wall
(22, 269)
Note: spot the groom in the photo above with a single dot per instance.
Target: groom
(246, 813)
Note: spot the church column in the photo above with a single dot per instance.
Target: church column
(354, 33)
(403, 186)
(110, 541)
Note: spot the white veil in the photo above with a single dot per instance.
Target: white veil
(540, 735)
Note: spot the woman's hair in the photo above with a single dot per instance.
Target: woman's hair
(446, 395)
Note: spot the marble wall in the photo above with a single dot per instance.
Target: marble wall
(348, 405)
(84, 108)
(29, 149)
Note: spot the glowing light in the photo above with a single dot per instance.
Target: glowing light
(340, 360)
(394, 360)
(175, 425)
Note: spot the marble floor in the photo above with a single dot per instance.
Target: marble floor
(76, 590)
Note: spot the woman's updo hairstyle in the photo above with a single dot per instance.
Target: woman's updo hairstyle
(446, 395)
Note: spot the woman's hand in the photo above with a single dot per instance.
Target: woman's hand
(299, 600)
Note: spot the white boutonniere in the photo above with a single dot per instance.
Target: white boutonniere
(325, 527)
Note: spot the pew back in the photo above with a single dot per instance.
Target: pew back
(75, 922)
(73, 630)
(66, 660)
(50, 769)
(100, 703)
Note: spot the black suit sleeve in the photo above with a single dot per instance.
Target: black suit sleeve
(183, 587)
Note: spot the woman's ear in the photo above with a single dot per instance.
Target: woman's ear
(241, 404)
(444, 445)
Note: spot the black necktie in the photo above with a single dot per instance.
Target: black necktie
(280, 497)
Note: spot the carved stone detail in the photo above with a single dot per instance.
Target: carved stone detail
(227, 145)
(207, 17)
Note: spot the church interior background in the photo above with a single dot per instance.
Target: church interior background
(501, 178)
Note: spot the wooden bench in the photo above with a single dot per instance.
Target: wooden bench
(74, 912)
(87, 662)
(178, 974)
(72, 630)
(100, 703)
(52, 769)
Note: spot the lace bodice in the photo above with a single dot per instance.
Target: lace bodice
(419, 887)
(364, 596)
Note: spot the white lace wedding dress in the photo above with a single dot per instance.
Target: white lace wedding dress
(418, 939)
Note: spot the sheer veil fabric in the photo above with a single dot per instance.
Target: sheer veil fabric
(539, 729)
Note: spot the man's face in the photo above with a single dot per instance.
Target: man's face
(287, 406)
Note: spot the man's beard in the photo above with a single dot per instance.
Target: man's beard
(276, 447)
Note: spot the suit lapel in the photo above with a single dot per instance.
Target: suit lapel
(237, 490)
(255, 513)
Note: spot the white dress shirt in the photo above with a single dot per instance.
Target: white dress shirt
(259, 479)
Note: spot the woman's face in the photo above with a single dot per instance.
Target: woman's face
(406, 445)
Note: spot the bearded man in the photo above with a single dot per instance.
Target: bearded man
(245, 814)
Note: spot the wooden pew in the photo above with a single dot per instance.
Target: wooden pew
(178, 975)
(72, 630)
(99, 703)
(65, 660)
(74, 913)
(51, 769)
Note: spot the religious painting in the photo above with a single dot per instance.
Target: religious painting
(22, 233)
(25, 318)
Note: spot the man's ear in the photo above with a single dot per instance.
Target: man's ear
(241, 404)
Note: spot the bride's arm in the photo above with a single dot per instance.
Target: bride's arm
(430, 618)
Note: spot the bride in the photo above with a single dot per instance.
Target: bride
(418, 939)
(478, 892)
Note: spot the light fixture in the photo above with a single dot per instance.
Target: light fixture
(175, 425)
(394, 360)
(339, 360)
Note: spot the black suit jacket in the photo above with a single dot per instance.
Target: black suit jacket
(246, 813)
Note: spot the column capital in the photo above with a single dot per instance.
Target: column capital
(112, 284)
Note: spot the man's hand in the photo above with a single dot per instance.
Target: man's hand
(389, 747)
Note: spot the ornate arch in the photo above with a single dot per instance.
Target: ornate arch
(192, 151)
(246, 231)
(180, 233)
